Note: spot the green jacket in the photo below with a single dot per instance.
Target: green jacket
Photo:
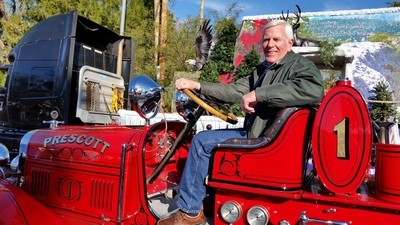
(294, 81)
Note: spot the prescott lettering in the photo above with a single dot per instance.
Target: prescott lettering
(96, 143)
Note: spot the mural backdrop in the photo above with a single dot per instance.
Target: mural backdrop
(346, 26)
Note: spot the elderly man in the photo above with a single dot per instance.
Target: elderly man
(284, 79)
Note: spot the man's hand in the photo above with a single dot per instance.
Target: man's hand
(183, 83)
(248, 102)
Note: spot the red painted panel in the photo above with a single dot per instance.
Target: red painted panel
(278, 164)
(76, 170)
(342, 139)
(387, 173)
(18, 208)
(355, 210)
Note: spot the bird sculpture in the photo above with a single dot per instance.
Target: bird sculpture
(202, 45)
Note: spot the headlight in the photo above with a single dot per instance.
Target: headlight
(231, 211)
(257, 215)
(145, 95)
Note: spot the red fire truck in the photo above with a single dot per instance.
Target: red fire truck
(311, 166)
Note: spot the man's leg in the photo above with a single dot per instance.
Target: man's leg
(192, 188)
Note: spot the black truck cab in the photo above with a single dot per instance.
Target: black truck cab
(65, 68)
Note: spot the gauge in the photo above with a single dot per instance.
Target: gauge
(257, 215)
(231, 211)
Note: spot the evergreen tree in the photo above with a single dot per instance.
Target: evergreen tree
(221, 59)
(247, 65)
(382, 110)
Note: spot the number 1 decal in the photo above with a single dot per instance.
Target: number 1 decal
(342, 138)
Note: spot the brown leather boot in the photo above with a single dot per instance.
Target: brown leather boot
(181, 218)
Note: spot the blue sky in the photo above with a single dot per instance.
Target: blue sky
(182, 8)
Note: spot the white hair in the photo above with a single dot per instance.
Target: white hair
(288, 27)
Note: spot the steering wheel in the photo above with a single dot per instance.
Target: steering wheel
(205, 104)
(227, 116)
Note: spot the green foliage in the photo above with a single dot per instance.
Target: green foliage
(249, 62)
(387, 38)
(393, 4)
(382, 110)
(327, 51)
(247, 65)
(3, 77)
(210, 72)
(11, 31)
(303, 30)
(179, 48)
(225, 47)
(235, 109)
(180, 44)
(330, 78)
(221, 59)
(327, 48)
(227, 17)
(23, 14)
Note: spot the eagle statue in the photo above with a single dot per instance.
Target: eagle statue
(202, 45)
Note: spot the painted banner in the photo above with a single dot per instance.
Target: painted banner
(345, 26)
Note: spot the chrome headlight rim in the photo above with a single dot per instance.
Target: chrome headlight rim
(145, 96)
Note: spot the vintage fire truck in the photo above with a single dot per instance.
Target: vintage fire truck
(310, 167)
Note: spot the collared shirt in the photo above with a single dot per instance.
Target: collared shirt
(260, 79)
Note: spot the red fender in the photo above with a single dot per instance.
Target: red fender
(19, 208)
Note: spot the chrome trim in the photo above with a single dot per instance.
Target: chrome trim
(122, 180)
(4, 154)
(145, 96)
(23, 146)
(304, 220)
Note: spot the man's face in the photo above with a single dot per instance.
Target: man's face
(275, 44)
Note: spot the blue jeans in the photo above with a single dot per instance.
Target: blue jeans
(192, 187)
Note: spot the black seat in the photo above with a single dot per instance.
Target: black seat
(270, 134)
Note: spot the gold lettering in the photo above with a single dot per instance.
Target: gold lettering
(98, 140)
(105, 145)
(341, 131)
(77, 139)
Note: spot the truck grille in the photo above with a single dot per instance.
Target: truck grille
(40, 182)
(101, 194)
